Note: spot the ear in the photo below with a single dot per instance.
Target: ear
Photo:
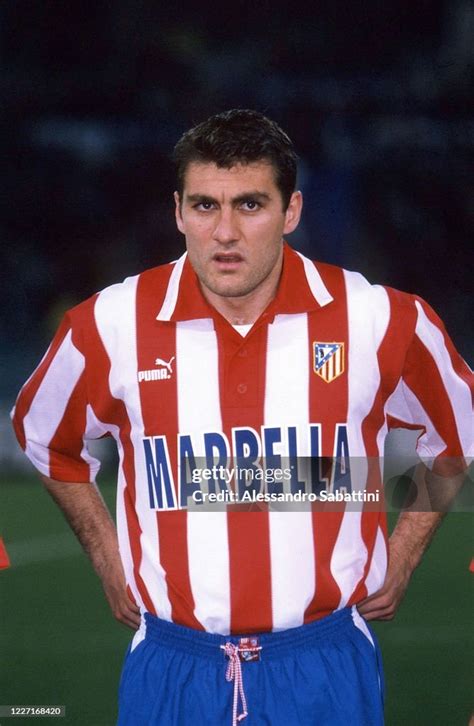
(177, 212)
(293, 213)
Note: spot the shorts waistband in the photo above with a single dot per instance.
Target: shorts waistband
(273, 645)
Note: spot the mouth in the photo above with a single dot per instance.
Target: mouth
(228, 261)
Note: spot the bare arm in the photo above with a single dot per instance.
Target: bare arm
(89, 518)
(413, 533)
(410, 538)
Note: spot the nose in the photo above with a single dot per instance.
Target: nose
(226, 230)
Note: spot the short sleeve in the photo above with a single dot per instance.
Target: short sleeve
(434, 393)
(52, 417)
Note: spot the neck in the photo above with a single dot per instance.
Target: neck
(238, 310)
(245, 309)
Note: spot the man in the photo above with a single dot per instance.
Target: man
(241, 349)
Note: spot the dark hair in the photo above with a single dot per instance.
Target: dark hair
(239, 136)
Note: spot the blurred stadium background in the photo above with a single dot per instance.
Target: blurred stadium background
(379, 100)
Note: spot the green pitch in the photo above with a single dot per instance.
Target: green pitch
(60, 646)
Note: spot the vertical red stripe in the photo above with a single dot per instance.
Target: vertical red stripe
(160, 417)
(390, 359)
(328, 404)
(424, 379)
(66, 445)
(242, 362)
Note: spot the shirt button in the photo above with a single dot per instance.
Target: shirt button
(242, 388)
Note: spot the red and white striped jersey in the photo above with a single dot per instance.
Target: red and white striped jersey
(149, 362)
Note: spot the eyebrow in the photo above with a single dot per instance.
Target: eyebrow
(245, 196)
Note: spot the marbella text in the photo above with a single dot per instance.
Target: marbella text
(275, 464)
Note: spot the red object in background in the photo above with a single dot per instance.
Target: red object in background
(471, 566)
(4, 559)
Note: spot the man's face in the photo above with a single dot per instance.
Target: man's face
(233, 222)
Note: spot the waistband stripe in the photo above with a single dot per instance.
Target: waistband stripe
(273, 645)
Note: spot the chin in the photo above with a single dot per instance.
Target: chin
(227, 287)
(227, 291)
(230, 290)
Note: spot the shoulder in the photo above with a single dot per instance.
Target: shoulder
(120, 298)
(359, 290)
(368, 306)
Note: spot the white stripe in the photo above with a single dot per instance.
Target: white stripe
(94, 430)
(366, 332)
(199, 411)
(139, 635)
(381, 435)
(171, 297)
(291, 533)
(368, 311)
(315, 282)
(405, 406)
(376, 574)
(50, 401)
(360, 623)
(397, 406)
(98, 428)
(122, 527)
(456, 388)
(116, 308)
(349, 556)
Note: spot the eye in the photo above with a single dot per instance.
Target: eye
(250, 205)
(203, 206)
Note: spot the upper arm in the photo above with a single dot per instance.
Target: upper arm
(434, 392)
(53, 417)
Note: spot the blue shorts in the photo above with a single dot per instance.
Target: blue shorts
(327, 673)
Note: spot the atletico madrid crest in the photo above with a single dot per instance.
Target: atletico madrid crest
(328, 360)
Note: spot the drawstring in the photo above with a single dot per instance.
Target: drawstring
(234, 673)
